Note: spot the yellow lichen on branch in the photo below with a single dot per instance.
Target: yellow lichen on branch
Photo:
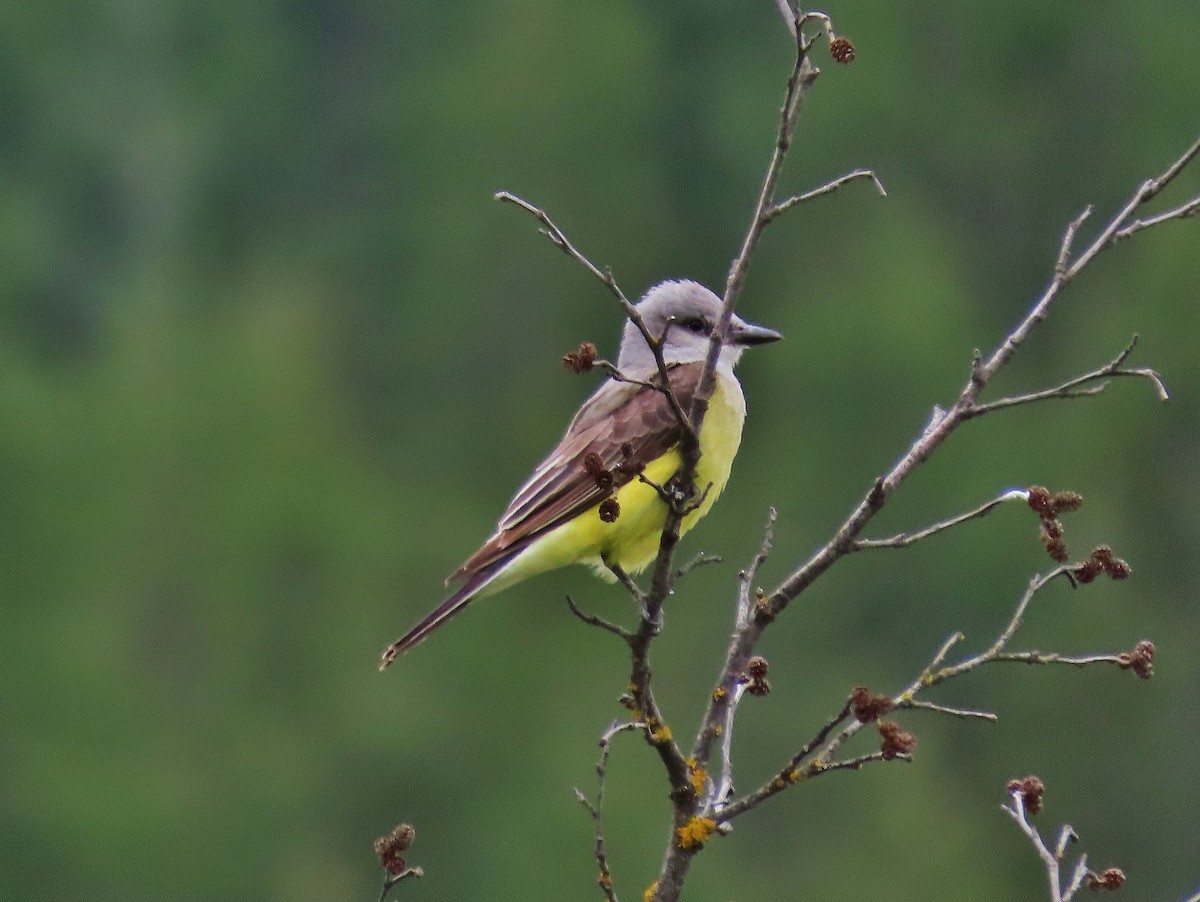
(695, 832)
(659, 732)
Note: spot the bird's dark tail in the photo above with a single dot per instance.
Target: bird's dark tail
(454, 603)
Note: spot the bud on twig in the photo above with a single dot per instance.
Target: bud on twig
(756, 673)
(582, 359)
(1101, 561)
(1048, 507)
(896, 741)
(1140, 660)
(1031, 789)
(841, 50)
(1112, 878)
(868, 707)
(388, 848)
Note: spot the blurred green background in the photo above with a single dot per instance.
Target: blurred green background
(272, 361)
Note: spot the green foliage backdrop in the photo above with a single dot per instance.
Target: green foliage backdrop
(271, 362)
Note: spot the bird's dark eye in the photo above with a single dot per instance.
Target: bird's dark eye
(696, 324)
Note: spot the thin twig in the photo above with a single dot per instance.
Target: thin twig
(596, 809)
(789, 774)
(932, 437)
(617, 376)
(1075, 388)
(789, 15)
(1049, 859)
(1064, 248)
(627, 581)
(1066, 836)
(942, 652)
(1018, 810)
(1183, 211)
(946, 709)
(559, 239)
(858, 762)
(1036, 584)
(904, 539)
(1049, 657)
(723, 788)
(828, 188)
(392, 879)
(746, 577)
(599, 622)
(700, 560)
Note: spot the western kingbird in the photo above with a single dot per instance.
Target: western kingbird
(584, 504)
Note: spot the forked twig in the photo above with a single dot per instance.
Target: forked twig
(1086, 386)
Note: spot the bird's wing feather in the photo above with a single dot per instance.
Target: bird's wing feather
(626, 426)
(550, 474)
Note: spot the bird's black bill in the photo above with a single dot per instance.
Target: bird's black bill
(744, 333)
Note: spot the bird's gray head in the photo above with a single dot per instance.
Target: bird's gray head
(691, 311)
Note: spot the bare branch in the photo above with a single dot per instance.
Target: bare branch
(1183, 211)
(1040, 657)
(596, 809)
(981, 373)
(1075, 388)
(1064, 248)
(1173, 170)
(789, 15)
(746, 577)
(932, 678)
(627, 581)
(723, 788)
(559, 239)
(1049, 859)
(1025, 798)
(700, 560)
(945, 709)
(828, 188)
(800, 80)
(857, 763)
(1066, 836)
(941, 653)
(392, 879)
(791, 773)
(599, 622)
(617, 376)
(903, 539)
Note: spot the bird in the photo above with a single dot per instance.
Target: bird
(595, 499)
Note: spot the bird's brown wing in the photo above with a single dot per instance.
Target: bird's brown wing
(619, 430)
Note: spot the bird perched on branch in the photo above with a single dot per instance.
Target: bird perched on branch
(598, 498)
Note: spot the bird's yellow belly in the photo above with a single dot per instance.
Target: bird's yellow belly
(632, 540)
